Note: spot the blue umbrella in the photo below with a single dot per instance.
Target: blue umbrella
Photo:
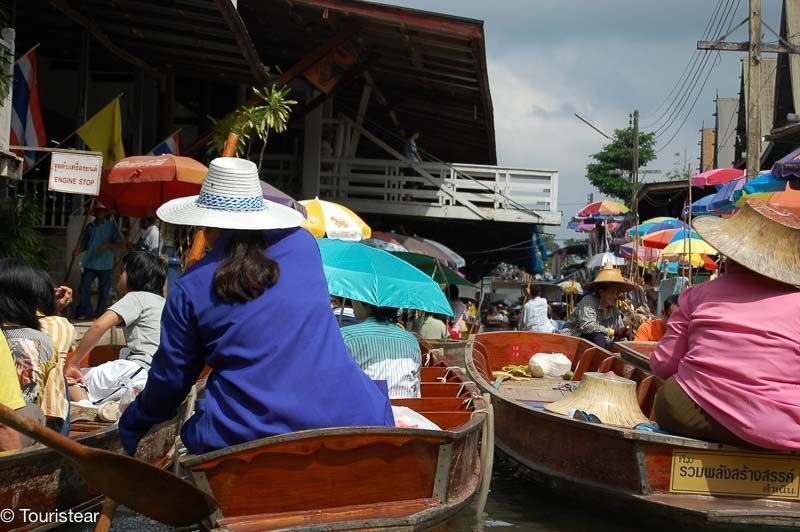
(788, 166)
(701, 206)
(723, 200)
(645, 228)
(362, 273)
(761, 187)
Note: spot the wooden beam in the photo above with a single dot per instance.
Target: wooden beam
(744, 47)
(237, 27)
(318, 53)
(381, 97)
(86, 24)
(417, 168)
(366, 92)
(349, 77)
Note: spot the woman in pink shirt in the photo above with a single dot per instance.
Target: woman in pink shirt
(731, 354)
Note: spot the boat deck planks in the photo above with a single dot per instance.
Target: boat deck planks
(542, 390)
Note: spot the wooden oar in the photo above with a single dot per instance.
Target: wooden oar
(146, 489)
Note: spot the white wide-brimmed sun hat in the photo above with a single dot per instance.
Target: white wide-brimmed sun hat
(230, 198)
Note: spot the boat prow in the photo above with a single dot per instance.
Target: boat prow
(684, 479)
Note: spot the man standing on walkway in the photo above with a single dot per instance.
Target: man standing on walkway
(97, 263)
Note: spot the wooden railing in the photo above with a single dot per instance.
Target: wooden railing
(500, 193)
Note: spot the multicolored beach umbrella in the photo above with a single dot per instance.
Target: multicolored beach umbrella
(661, 239)
(788, 167)
(655, 224)
(324, 218)
(602, 210)
(715, 176)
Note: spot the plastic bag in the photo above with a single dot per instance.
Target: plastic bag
(553, 365)
(406, 418)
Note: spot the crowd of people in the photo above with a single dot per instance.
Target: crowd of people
(286, 356)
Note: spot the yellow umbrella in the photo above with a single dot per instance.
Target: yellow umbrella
(324, 218)
(682, 247)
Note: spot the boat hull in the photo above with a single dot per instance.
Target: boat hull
(354, 478)
(631, 469)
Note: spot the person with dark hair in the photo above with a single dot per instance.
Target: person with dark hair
(139, 312)
(534, 313)
(433, 327)
(459, 308)
(149, 236)
(256, 309)
(343, 311)
(410, 147)
(650, 291)
(99, 239)
(384, 350)
(21, 289)
(51, 300)
(653, 330)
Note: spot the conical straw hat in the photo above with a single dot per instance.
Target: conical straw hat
(761, 237)
(610, 275)
(610, 398)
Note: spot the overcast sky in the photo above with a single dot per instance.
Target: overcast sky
(548, 59)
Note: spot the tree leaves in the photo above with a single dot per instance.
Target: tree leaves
(18, 235)
(618, 155)
(254, 121)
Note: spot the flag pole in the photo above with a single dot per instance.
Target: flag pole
(34, 47)
(75, 132)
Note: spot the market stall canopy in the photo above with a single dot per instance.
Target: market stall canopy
(362, 273)
(137, 186)
(716, 176)
(431, 267)
(661, 239)
(328, 219)
(601, 259)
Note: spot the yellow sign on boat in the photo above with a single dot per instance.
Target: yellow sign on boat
(739, 474)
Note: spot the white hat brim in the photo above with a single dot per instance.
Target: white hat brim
(185, 211)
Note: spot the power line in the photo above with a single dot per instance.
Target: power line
(689, 64)
(687, 95)
(700, 92)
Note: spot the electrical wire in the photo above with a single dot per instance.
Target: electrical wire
(728, 17)
(689, 65)
(702, 88)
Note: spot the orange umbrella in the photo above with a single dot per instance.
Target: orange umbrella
(137, 186)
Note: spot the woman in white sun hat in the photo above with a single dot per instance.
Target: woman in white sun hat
(255, 309)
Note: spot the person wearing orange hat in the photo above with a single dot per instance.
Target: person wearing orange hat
(97, 262)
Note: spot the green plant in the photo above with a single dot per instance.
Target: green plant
(19, 237)
(6, 59)
(618, 155)
(249, 121)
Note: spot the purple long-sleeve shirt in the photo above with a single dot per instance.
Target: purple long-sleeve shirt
(734, 348)
(279, 362)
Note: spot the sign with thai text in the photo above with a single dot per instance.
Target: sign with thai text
(739, 474)
(76, 173)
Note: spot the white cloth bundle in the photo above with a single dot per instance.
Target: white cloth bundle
(553, 365)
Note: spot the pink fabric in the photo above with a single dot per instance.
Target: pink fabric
(734, 348)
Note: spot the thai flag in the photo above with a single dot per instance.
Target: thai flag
(27, 128)
(171, 144)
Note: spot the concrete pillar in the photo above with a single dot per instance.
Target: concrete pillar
(312, 145)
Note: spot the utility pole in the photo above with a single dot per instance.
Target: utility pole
(754, 47)
(635, 191)
(754, 92)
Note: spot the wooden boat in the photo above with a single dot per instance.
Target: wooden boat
(355, 478)
(688, 480)
(635, 353)
(41, 480)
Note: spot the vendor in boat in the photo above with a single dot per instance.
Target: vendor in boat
(256, 309)
(596, 317)
(653, 330)
(384, 350)
(729, 358)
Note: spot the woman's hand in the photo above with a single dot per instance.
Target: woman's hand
(63, 295)
(73, 375)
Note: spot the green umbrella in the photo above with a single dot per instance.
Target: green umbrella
(431, 266)
(362, 273)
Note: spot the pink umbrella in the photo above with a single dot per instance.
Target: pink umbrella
(716, 176)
